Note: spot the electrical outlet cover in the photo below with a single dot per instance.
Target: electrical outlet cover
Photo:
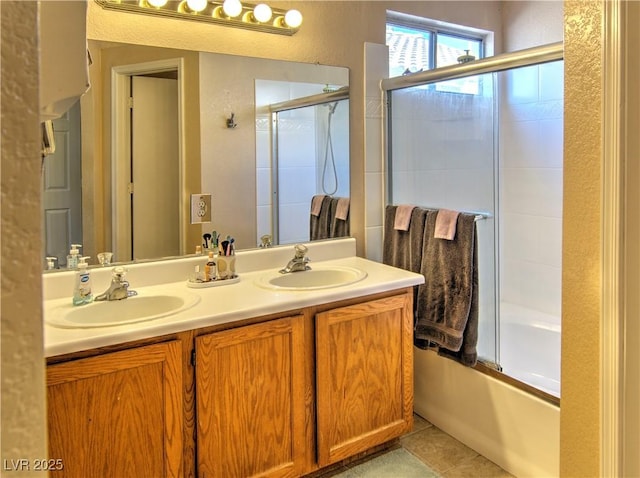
(200, 208)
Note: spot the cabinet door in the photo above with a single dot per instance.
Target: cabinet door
(250, 400)
(364, 373)
(118, 414)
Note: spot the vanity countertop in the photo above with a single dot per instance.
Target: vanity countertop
(225, 304)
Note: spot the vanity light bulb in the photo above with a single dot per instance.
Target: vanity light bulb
(262, 12)
(232, 8)
(157, 3)
(293, 18)
(197, 5)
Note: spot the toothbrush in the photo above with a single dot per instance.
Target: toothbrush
(206, 238)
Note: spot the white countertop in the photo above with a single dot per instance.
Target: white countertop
(225, 304)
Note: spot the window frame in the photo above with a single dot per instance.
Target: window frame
(434, 28)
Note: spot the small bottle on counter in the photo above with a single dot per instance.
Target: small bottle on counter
(74, 256)
(210, 268)
(197, 276)
(82, 289)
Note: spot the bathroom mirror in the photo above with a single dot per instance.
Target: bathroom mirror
(224, 147)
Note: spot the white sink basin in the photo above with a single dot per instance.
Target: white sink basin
(139, 308)
(318, 277)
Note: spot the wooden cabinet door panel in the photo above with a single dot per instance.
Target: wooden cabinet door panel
(250, 400)
(364, 374)
(118, 414)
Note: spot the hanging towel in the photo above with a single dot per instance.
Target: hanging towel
(340, 220)
(403, 249)
(446, 221)
(316, 204)
(320, 224)
(447, 308)
(403, 217)
(342, 209)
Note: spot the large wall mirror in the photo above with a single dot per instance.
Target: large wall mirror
(159, 125)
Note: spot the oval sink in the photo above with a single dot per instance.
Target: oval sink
(134, 309)
(318, 277)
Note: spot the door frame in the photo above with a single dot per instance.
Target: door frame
(120, 147)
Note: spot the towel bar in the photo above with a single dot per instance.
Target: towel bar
(482, 215)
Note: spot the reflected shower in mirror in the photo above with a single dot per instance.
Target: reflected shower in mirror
(310, 157)
(234, 165)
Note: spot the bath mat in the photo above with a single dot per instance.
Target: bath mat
(398, 463)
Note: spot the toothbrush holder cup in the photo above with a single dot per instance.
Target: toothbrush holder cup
(226, 267)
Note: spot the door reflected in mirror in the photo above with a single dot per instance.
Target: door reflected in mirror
(253, 189)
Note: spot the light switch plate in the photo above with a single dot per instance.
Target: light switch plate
(200, 208)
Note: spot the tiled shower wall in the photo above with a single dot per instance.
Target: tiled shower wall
(530, 174)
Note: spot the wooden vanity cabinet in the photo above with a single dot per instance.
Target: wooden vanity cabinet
(282, 397)
(118, 414)
(250, 401)
(364, 375)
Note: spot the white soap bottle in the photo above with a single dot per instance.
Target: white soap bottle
(82, 289)
(73, 257)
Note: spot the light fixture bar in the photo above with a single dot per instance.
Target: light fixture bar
(212, 13)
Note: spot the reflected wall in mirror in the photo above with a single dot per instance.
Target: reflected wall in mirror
(234, 165)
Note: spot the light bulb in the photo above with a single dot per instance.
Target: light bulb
(232, 8)
(157, 3)
(196, 5)
(262, 12)
(293, 18)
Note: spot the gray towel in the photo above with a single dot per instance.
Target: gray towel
(403, 249)
(338, 227)
(320, 225)
(447, 309)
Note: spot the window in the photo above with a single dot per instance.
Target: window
(417, 44)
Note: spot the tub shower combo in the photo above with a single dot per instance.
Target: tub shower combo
(486, 137)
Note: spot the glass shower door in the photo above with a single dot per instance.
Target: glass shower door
(442, 154)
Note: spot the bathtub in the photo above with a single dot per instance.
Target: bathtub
(514, 429)
(530, 347)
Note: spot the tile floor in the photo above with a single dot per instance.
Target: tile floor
(443, 455)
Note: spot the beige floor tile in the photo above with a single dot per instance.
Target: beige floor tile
(437, 449)
(420, 423)
(477, 467)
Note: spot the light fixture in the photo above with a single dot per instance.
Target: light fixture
(155, 3)
(293, 18)
(232, 8)
(197, 5)
(261, 13)
(233, 13)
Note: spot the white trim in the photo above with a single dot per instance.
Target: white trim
(120, 141)
(612, 245)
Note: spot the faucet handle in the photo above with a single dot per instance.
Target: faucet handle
(265, 240)
(301, 250)
(119, 272)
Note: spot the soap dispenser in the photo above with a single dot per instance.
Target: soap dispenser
(82, 289)
(74, 255)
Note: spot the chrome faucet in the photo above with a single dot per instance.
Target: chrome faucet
(119, 288)
(299, 261)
